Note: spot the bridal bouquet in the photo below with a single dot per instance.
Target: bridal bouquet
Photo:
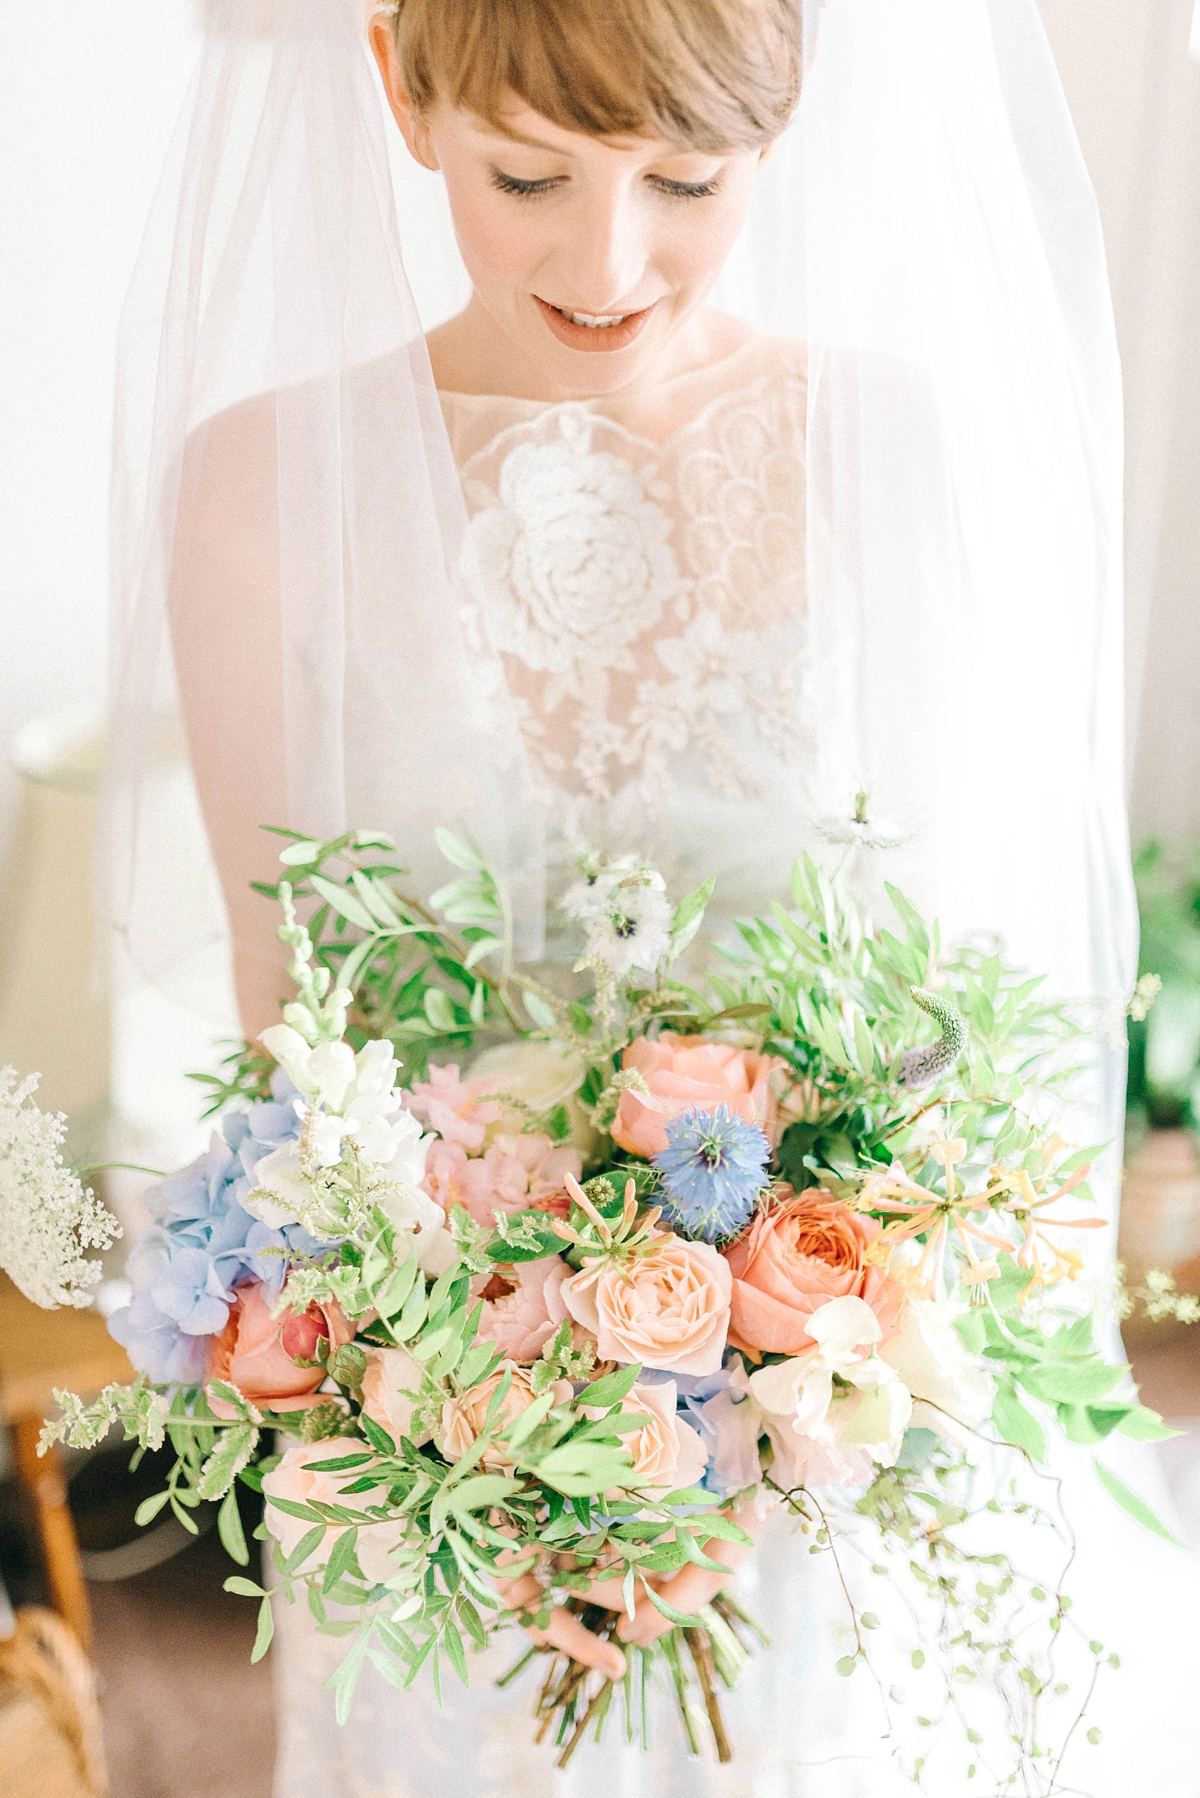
(515, 1303)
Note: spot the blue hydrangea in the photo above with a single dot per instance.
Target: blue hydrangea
(713, 1169)
(204, 1244)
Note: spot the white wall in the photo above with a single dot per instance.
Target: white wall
(89, 91)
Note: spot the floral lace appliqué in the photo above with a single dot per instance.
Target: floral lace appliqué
(647, 601)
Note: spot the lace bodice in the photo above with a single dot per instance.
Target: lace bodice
(639, 564)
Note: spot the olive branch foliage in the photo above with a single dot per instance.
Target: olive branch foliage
(842, 1004)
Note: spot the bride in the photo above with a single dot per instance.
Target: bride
(766, 487)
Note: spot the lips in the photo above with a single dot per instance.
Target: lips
(593, 337)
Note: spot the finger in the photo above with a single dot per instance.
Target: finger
(688, 1591)
(566, 1632)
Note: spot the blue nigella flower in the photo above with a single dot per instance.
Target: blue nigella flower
(713, 1168)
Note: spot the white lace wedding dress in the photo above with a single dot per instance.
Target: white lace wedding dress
(640, 565)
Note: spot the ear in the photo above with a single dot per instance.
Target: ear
(414, 129)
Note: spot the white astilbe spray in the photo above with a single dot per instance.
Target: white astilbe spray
(47, 1217)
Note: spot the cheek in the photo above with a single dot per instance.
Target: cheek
(499, 241)
(692, 251)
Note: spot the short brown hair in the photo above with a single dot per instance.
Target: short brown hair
(711, 74)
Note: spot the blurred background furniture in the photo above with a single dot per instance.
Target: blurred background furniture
(50, 1736)
(39, 1351)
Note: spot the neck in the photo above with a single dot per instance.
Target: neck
(471, 354)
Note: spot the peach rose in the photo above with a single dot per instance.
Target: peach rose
(391, 1376)
(520, 1321)
(464, 1417)
(257, 1352)
(296, 1482)
(666, 1453)
(668, 1310)
(691, 1073)
(807, 1249)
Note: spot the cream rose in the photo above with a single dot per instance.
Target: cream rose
(668, 1310)
(666, 1453)
(297, 1482)
(391, 1378)
(465, 1417)
(542, 1076)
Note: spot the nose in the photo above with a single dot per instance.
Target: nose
(602, 263)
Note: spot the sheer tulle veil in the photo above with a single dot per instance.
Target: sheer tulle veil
(924, 226)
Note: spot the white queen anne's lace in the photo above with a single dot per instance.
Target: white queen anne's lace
(47, 1218)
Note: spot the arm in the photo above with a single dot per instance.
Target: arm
(225, 631)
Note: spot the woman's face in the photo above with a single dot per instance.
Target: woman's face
(588, 256)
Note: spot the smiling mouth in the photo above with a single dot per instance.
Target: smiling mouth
(593, 330)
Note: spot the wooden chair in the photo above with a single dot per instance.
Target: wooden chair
(39, 1351)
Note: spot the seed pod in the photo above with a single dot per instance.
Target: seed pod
(921, 1067)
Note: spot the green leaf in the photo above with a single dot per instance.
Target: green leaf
(668, 1610)
(1137, 1507)
(308, 1543)
(245, 1588)
(229, 1527)
(692, 907)
(346, 1677)
(1015, 1423)
(1144, 1425)
(527, 1421)
(149, 1508)
(376, 1435)
(439, 1010)
(455, 849)
(305, 1512)
(456, 1654)
(527, 1236)
(344, 903)
(483, 1490)
(265, 1632)
(538, 1010)
(611, 1389)
(340, 1560)
(227, 1460)
(1077, 1383)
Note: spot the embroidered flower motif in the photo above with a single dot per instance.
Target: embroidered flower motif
(574, 563)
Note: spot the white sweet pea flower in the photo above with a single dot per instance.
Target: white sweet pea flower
(282, 1192)
(408, 1151)
(947, 1383)
(292, 1053)
(822, 1433)
(325, 1136)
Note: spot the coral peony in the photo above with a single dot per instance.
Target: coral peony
(255, 1351)
(691, 1073)
(807, 1249)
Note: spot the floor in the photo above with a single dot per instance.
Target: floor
(185, 1713)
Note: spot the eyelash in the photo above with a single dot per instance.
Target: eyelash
(533, 190)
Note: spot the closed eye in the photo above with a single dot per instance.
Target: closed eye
(687, 190)
(523, 190)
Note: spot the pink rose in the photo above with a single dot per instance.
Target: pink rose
(463, 1418)
(804, 1251)
(257, 1352)
(459, 1110)
(296, 1482)
(669, 1309)
(691, 1073)
(521, 1320)
(666, 1452)
(391, 1378)
(515, 1173)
